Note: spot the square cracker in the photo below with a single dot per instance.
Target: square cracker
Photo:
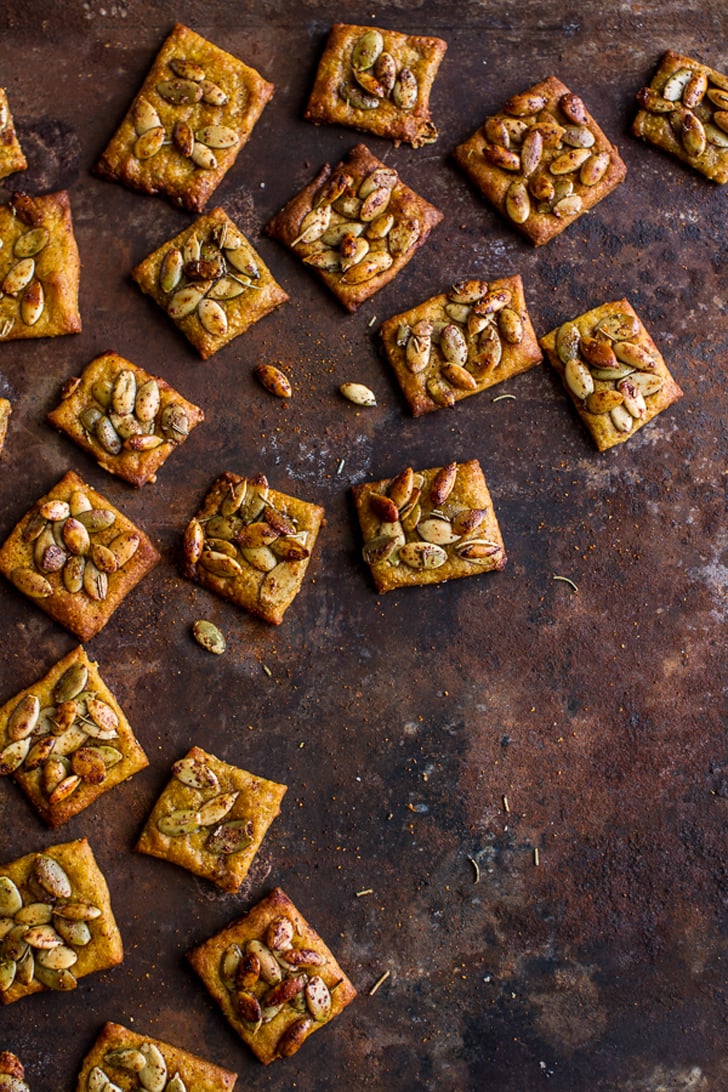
(196, 1074)
(378, 81)
(69, 739)
(234, 808)
(684, 111)
(601, 396)
(210, 281)
(39, 268)
(460, 342)
(525, 158)
(11, 154)
(183, 132)
(68, 881)
(155, 418)
(294, 965)
(251, 544)
(77, 574)
(356, 225)
(429, 526)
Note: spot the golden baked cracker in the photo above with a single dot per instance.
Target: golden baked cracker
(612, 371)
(210, 281)
(76, 556)
(66, 740)
(355, 225)
(460, 342)
(117, 1050)
(64, 927)
(252, 544)
(378, 81)
(273, 977)
(129, 420)
(39, 268)
(542, 160)
(193, 114)
(428, 526)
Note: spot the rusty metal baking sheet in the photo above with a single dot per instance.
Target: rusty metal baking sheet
(530, 778)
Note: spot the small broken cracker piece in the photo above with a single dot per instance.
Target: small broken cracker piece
(378, 81)
(274, 978)
(129, 420)
(193, 114)
(211, 818)
(210, 282)
(542, 160)
(356, 225)
(612, 371)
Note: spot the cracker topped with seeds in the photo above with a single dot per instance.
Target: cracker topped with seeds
(211, 818)
(252, 544)
(39, 268)
(66, 740)
(378, 81)
(76, 556)
(129, 420)
(58, 925)
(183, 132)
(211, 282)
(273, 977)
(542, 160)
(460, 342)
(356, 225)
(11, 154)
(124, 1059)
(684, 111)
(428, 526)
(612, 370)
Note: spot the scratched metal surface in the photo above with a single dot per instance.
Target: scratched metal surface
(401, 722)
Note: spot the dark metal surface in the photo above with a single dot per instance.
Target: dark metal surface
(401, 722)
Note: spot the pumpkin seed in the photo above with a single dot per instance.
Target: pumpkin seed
(313, 225)
(693, 134)
(209, 637)
(293, 1037)
(76, 933)
(367, 49)
(578, 378)
(629, 352)
(528, 102)
(372, 266)
(51, 876)
(403, 236)
(181, 821)
(8, 968)
(203, 157)
(180, 92)
(19, 277)
(405, 90)
(144, 116)
(274, 380)
(24, 717)
(31, 583)
(148, 144)
(318, 998)
(603, 401)
(217, 136)
(231, 837)
(358, 394)
(213, 318)
(634, 401)
(213, 94)
(10, 898)
(676, 84)
(422, 555)
(153, 1077)
(646, 383)
(31, 243)
(518, 205)
(185, 300)
(621, 419)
